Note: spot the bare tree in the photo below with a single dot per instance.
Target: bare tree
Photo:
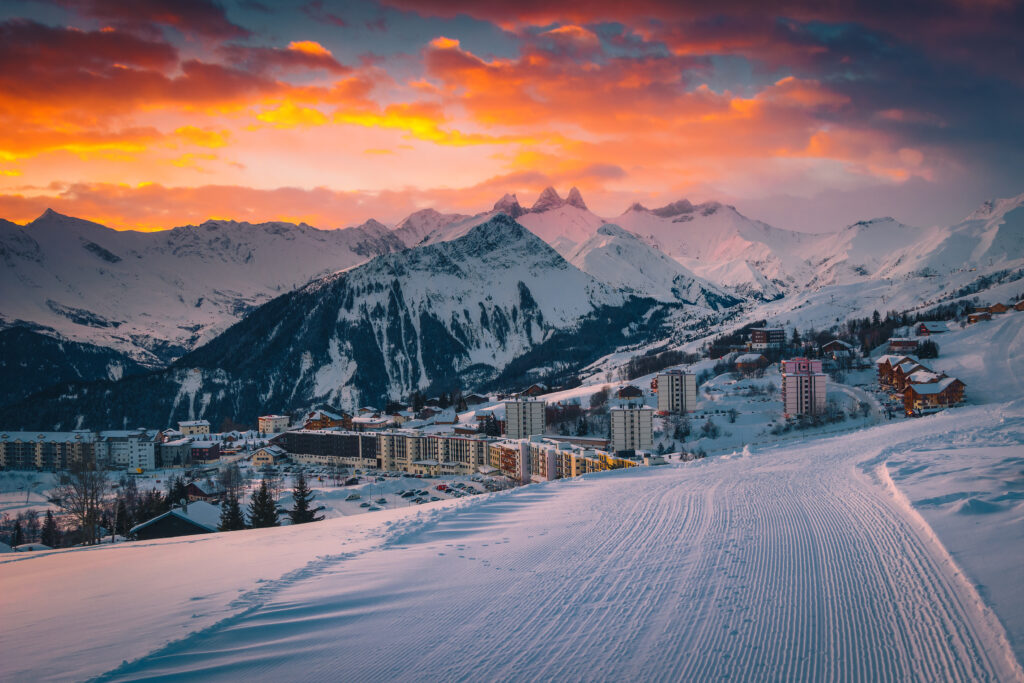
(81, 491)
(230, 479)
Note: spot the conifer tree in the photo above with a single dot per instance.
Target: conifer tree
(50, 534)
(17, 536)
(262, 508)
(231, 518)
(302, 513)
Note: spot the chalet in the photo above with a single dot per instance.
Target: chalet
(535, 390)
(191, 519)
(629, 391)
(325, 419)
(902, 371)
(978, 317)
(368, 410)
(998, 309)
(474, 399)
(928, 328)
(467, 428)
(837, 349)
(886, 364)
(921, 399)
(750, 362)
(268, 455)
(203, 491)
(902, 345)
(1019, 306)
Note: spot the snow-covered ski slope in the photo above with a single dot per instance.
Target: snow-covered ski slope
(802, 562)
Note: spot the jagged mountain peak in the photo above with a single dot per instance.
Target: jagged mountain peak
(509, 205)
(996, 207)
(576, 199)
(548, 199)
(375, 227)
(54, 219)
(677, 208)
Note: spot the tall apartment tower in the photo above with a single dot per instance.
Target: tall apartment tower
(632, 428)
(677, 392)
(524, 417)
(803, 387)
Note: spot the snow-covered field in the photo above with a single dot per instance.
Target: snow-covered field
(797, 562)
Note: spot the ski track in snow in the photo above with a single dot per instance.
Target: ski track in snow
(800, 563)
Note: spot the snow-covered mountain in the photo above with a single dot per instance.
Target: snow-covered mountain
(720, 244)
(417, 226)
(156, 295)
(621, 259)
(497, 305)
(562, 223)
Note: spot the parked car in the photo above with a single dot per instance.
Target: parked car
(352, 496)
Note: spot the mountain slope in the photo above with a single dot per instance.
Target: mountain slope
(155, 295)
(31, 362)
(452, 314)
(621, 259)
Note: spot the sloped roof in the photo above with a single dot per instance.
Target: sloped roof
(934, 387)
(203, 515)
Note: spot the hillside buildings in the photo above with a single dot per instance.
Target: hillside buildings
(632, 428)
(524, 417)
(803, 387)
(677, 392)
(921, 389)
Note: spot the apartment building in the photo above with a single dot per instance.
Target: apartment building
(330, 447)
(763, 338)
(677, 392)
(632, 428)
(51, 451)
(134, 450)
(194, 427)
(273, 424)
(803, 387)
(524, 417)
(401, 449)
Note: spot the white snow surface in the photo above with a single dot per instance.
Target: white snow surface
(802, 562)
(621, 259)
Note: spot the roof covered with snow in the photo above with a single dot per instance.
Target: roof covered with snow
(204, 515)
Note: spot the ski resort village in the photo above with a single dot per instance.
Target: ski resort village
(408, 340)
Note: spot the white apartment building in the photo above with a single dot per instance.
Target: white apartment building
(803, 387)
(136, 449)
(273, 424)
(677, 392)
(524, 417)
(193, 427)
(632, 428)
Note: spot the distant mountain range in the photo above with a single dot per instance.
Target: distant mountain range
(276, 315)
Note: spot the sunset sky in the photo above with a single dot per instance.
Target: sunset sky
(153, 113)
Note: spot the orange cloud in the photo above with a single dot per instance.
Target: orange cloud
(309, 47)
